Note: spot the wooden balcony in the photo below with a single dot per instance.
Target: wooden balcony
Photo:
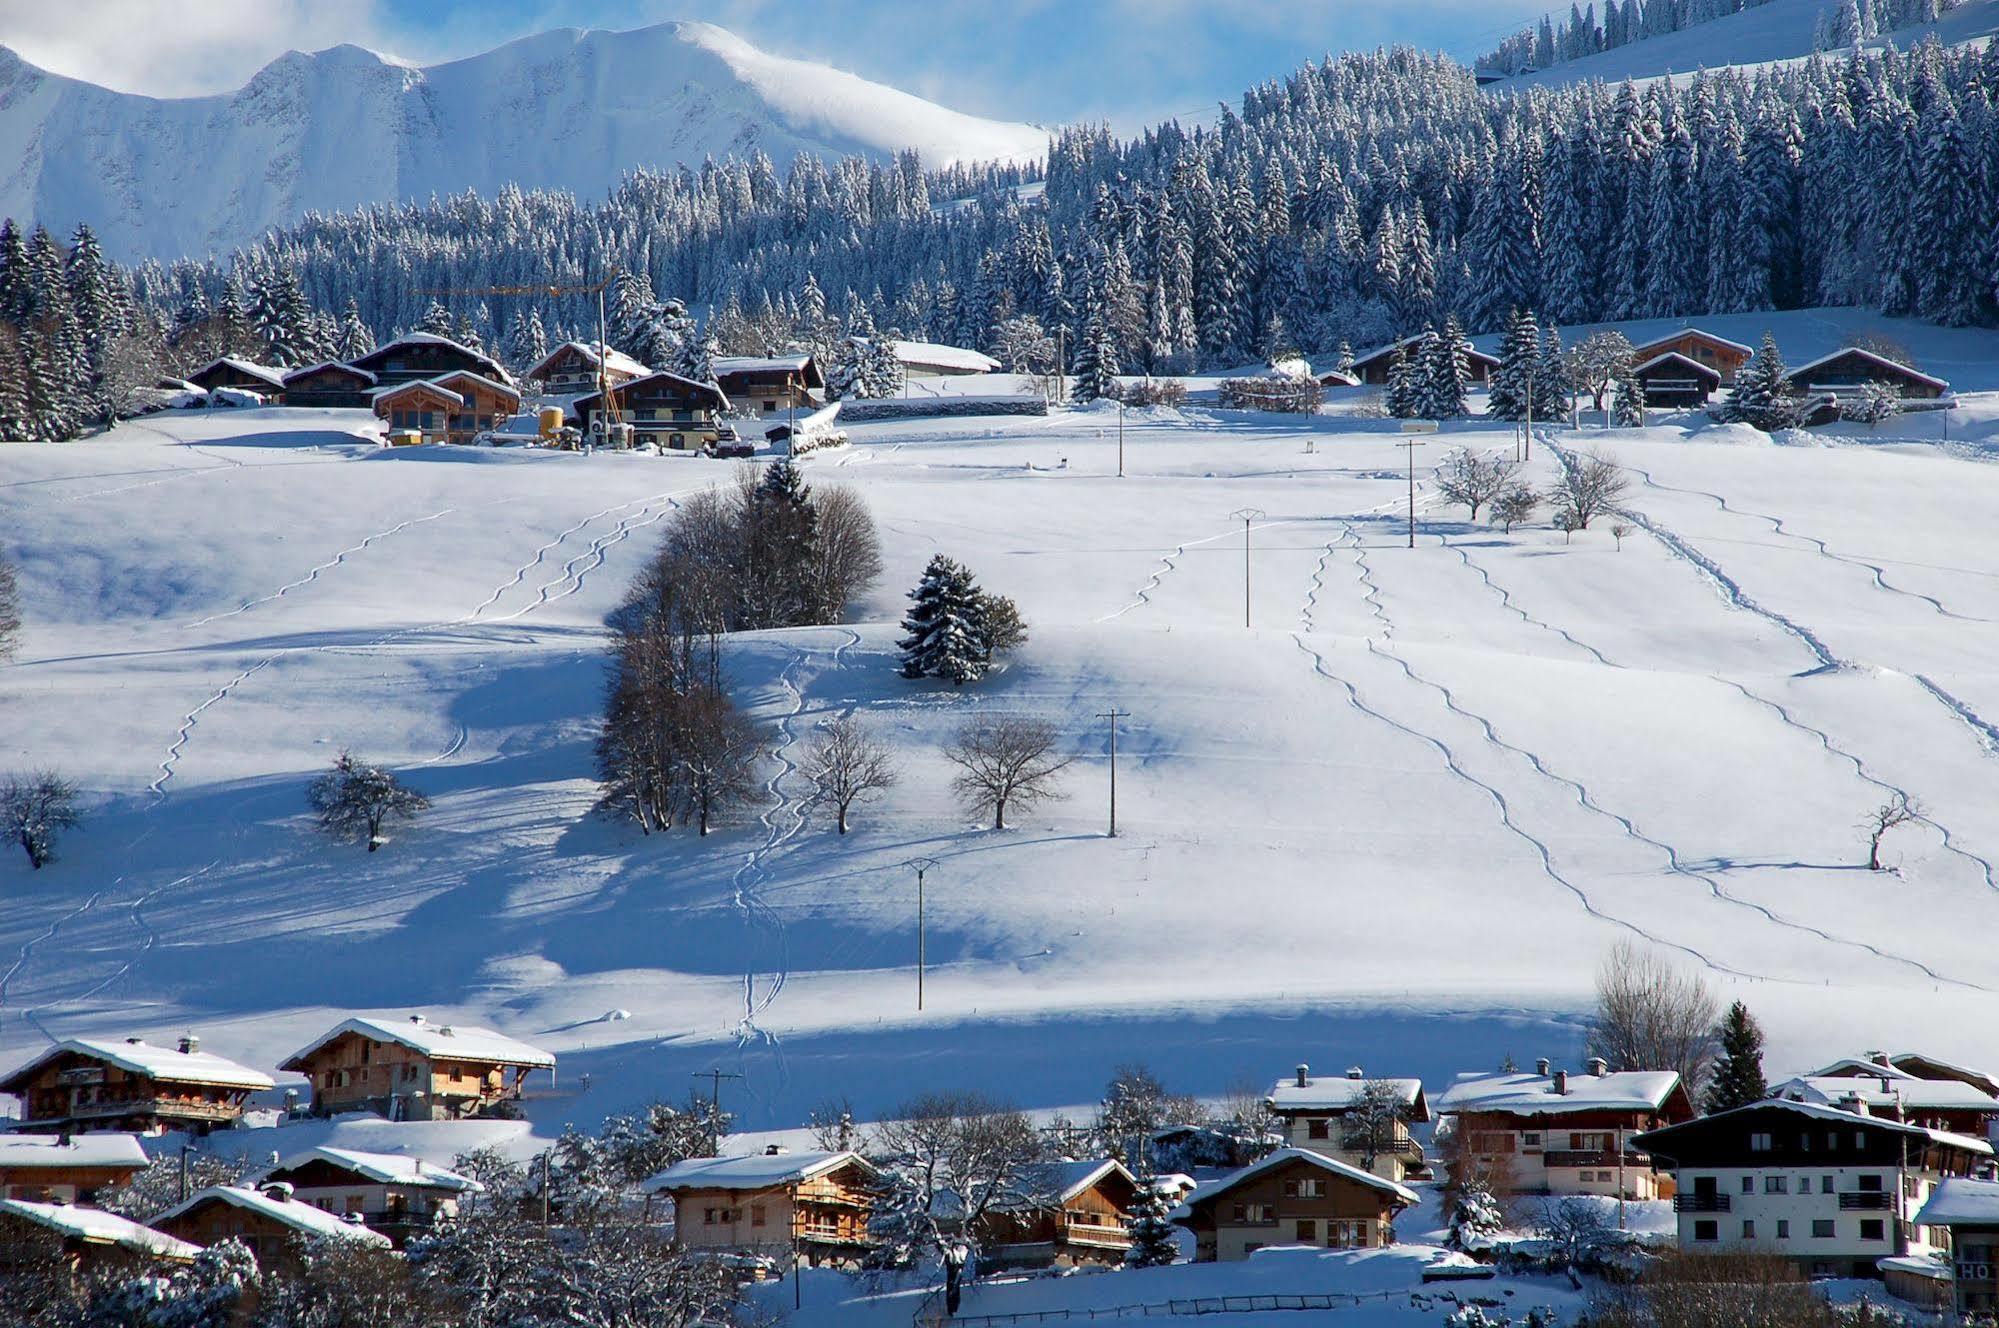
(1098, 1234)
(1593, 1157)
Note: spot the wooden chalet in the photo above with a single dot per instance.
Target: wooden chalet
(1372, 368)
(1844, 372)
(770, 386)
(772, 1202)
(268, 1219)
(421, 407)
(1071, 1215)
(1673, 380)
(665, 411)
(1293, 1197)
(330, 384)
(130, 1086)
(1723, 356)
(242, 375)
(86, 1239)
(488, 403)
(1558, 1133)
(931, 359)
(395, 1194)
(426, 355)
(571, 369)
(1954, 1100)
(1314, 1113)
(413, 1069)
(66, 1168)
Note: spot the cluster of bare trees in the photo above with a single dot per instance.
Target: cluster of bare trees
(1651, 1015)
(1591, 486)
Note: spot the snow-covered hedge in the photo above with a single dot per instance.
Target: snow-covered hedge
(1286, 394)
(941, 408)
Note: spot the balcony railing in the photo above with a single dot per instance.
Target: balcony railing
(1592, 1157)
(1092, 1233)
(1865, 1200)
(1700, 1203)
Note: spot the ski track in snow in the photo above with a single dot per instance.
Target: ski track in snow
(1587, 800)
(178, 747)
(1988, 736)
(29, 946)
(313, 575)
(574, 571)
(1506, 598)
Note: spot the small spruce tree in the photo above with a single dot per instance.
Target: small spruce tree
(1153, 1243)
(944, 629)
(1738, 1079)
(1762, 396)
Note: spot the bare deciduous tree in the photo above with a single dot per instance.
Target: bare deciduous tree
(1474, 479)
(832, 1125)
(1517, 504)
(1899, 810)
(1597, 362)
(355, 800)
(34, 809)
(1374, 1123)
(1592, 485)
(10, 609)
(848, 551)
(1004, 760)
(718, 746)
(1618, 530)
(848, 766)
(971, 1153)
(1651, 1016)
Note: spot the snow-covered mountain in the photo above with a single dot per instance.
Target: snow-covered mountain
(568, 109)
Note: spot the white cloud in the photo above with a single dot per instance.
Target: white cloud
(177, 48)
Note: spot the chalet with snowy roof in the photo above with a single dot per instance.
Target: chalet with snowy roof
(1962, 1215)
(1724, 357)
(573, 368)
(1846, 371)
(1337, 378)
(1552, 1132)
(770, 385)
(67, 1168)
(392, 1193)
(1834, 1188)
(426, 355)
(665, 411)
(817, 1203)
(1932, 1067)
(1316, 1111)
(1068, 1215)
(1954, 1102)
(89, 1238)
(242, 375)
(131, 1086)
(930, 359)
(274, 1224)
(329, 385)
(1373, 367)
(421, 407)
(487, 404)
(1673, 381)
(1293, 1197)
(413, 1069)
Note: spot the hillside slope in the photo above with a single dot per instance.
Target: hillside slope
(568, 109)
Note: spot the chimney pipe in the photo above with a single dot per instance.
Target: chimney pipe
(1878, 1057)
(1353, 1072)
(279, 1190)
(1598, 1067)
(189, 1044)
(1541, 1067)
(1304, 1074)
(1561, 1083)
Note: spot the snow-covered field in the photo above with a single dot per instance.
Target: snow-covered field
(1395, 822)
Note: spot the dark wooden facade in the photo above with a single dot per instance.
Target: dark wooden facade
(771, 387)
(1675, 381)
(1723, 356)
(1845, 372)
(487, 404)
(664, 410)
(240, 375)
(421, 355)
(329, 385)
(1294, 1198)
(74, 1088)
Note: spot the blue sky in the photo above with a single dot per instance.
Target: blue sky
(1128, 61)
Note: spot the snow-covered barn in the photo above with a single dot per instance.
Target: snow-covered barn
(329, 384)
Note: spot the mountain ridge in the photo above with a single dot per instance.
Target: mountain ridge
(569, 108)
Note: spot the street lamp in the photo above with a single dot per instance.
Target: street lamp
(1246, 515)
(923, 866)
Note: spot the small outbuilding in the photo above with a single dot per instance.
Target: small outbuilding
(930, 359)
(1675, 381)
(67, 1168)
(1846, 371)
(242, 375)
(329, 384)
(421, 407)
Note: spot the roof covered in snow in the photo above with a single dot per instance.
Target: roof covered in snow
(754, 1171)
(1701, 333)
(657, 375)
(137, 1056)
(94, 1226)
(615, 360)
(381, 1168)
(381, 353)
(1685, 362)
(1882, 362)
(323, 366)
(1059, 1182)
(1820, 1112)
(452, 1042)
(936, 355)
(1913, 1093)
(1286, 1156)
(275, 377)
(748, 364)
(466, 375)
(1527, 1094)
(414, 385)
(1329, 1093)
(1959, 1201)
(27, 1151)
(1383, 352)
(299, 1216)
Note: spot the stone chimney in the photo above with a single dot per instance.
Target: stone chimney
(1353, 1072)
(1541, 1067)
(1854, 1103)
(1561, 1083)
(278, 1190)
(189, 1044)
(775, 1150)
(1598, 1067)
(1878, 1057)
(1304, 1074)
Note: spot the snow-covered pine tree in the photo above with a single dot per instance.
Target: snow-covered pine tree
(1763, 396)
(1446, 372)
(436, 320)
(1519, 364)
(696, 358)
(1093, 372)
(1627, 402)
(1343, 360)
(881, 367)
(944, 634)
(1406, 394)
(1555, 384)
(1154, 1237)
(1738, 1079)
(527, 343)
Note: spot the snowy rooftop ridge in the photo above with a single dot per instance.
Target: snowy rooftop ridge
(24, 1151)
(457, 1042)
(455, 375)
(1339, 1093)
(614, 359)
(944, 357)
(323, 366)
(754, 1171)
(1535, 1094)
(382, 1168)
(1284, 1156)
(275, 377)
(1895, 366)
(1820, 1112)
(388, 348)
(414, 384)
(94, 1226)
(300, 1217)
(1901, 1087)
(1962, 1201)
(137, 1056)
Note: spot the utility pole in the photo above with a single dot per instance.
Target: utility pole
(1412, 444)
(1120, 441)
(1246, 515)
(923, 866)
(544, 1187)
(714, 1078)
(1061, 365)
(1114, 715)
(1526, 448)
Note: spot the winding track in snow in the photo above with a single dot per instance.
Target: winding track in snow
(313, 575)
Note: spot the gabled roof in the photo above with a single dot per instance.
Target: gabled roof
(1327, 1093)
(94, 1226)
(944, 357)
(754, 1171)
(136, 1056)
(414, 384)
(1649, 1140)
(456, 375)
(726, 366)
(275, 377)
(1526, 1094)
(299, 1216)
(335, 365)
(380, 355)
(614, 359)
(1337, 378)
(1383, 352)
(451, 1042)
(380, 1168)
(1678, 360)
(1284, 1157)
(1702, 333)
(1924, 1066)
(1911, 1092)
(1059, 1182)
(658, 375)
(29, 1151)
(1960, 1201)
(1892, 366)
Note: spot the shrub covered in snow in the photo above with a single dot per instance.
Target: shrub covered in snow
(1284, 394)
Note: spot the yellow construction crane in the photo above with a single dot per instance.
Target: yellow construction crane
(597, 288)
